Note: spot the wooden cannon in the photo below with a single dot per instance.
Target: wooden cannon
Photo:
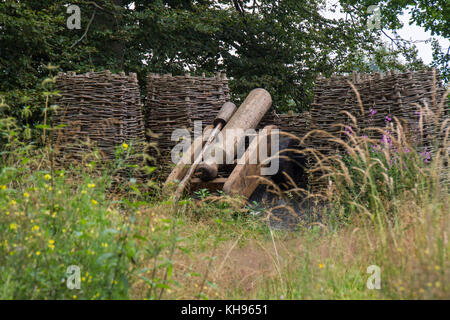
(213, 155)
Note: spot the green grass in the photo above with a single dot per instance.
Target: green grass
(127, 247)
(131, 242)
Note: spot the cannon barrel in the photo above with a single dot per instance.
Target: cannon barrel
(248, 116)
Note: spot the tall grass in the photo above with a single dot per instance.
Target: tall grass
(387, 206)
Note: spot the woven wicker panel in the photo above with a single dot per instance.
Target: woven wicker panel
(393, 94)
(175, 102)
(99, 107)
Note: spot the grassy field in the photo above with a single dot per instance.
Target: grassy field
(389, 207)
(128, 248)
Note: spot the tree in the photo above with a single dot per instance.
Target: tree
(278, 45)
(433, 15)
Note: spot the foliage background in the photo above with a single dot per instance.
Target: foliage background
(278, 45)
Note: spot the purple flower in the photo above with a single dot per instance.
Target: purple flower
(375, 147)
(372, 112)
(348, 130)
(426, 155)
(386, 140)
(387, 118)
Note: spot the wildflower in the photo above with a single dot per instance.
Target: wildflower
(38, 253)
(386, 139)
(3, 187)
(125, 146)
(91, 185)
(372, 112)
(12, 202)
(51, 244)
(94, 202)
(437, 284)
(348, 130)
(35, 228)
(47, 177)
(437, 268)
(320, 266)
(426, 155)
(387, 118)
(13, 226)
(26, 195)
(74, 297)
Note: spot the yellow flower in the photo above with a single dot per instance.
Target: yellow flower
(94, 202)
(13, 226)
(51, 244)
(26, 195)
(437, 268)
(124, 145)
(12, 202)
(91, 185)
(320, 266)
(74, 296)
(38, 253)
(35, 228)
(3, 187)
(437, 284)
(47, 177)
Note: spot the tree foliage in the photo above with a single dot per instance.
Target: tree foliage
(278, 45)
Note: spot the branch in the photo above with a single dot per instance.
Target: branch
(85, 31)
